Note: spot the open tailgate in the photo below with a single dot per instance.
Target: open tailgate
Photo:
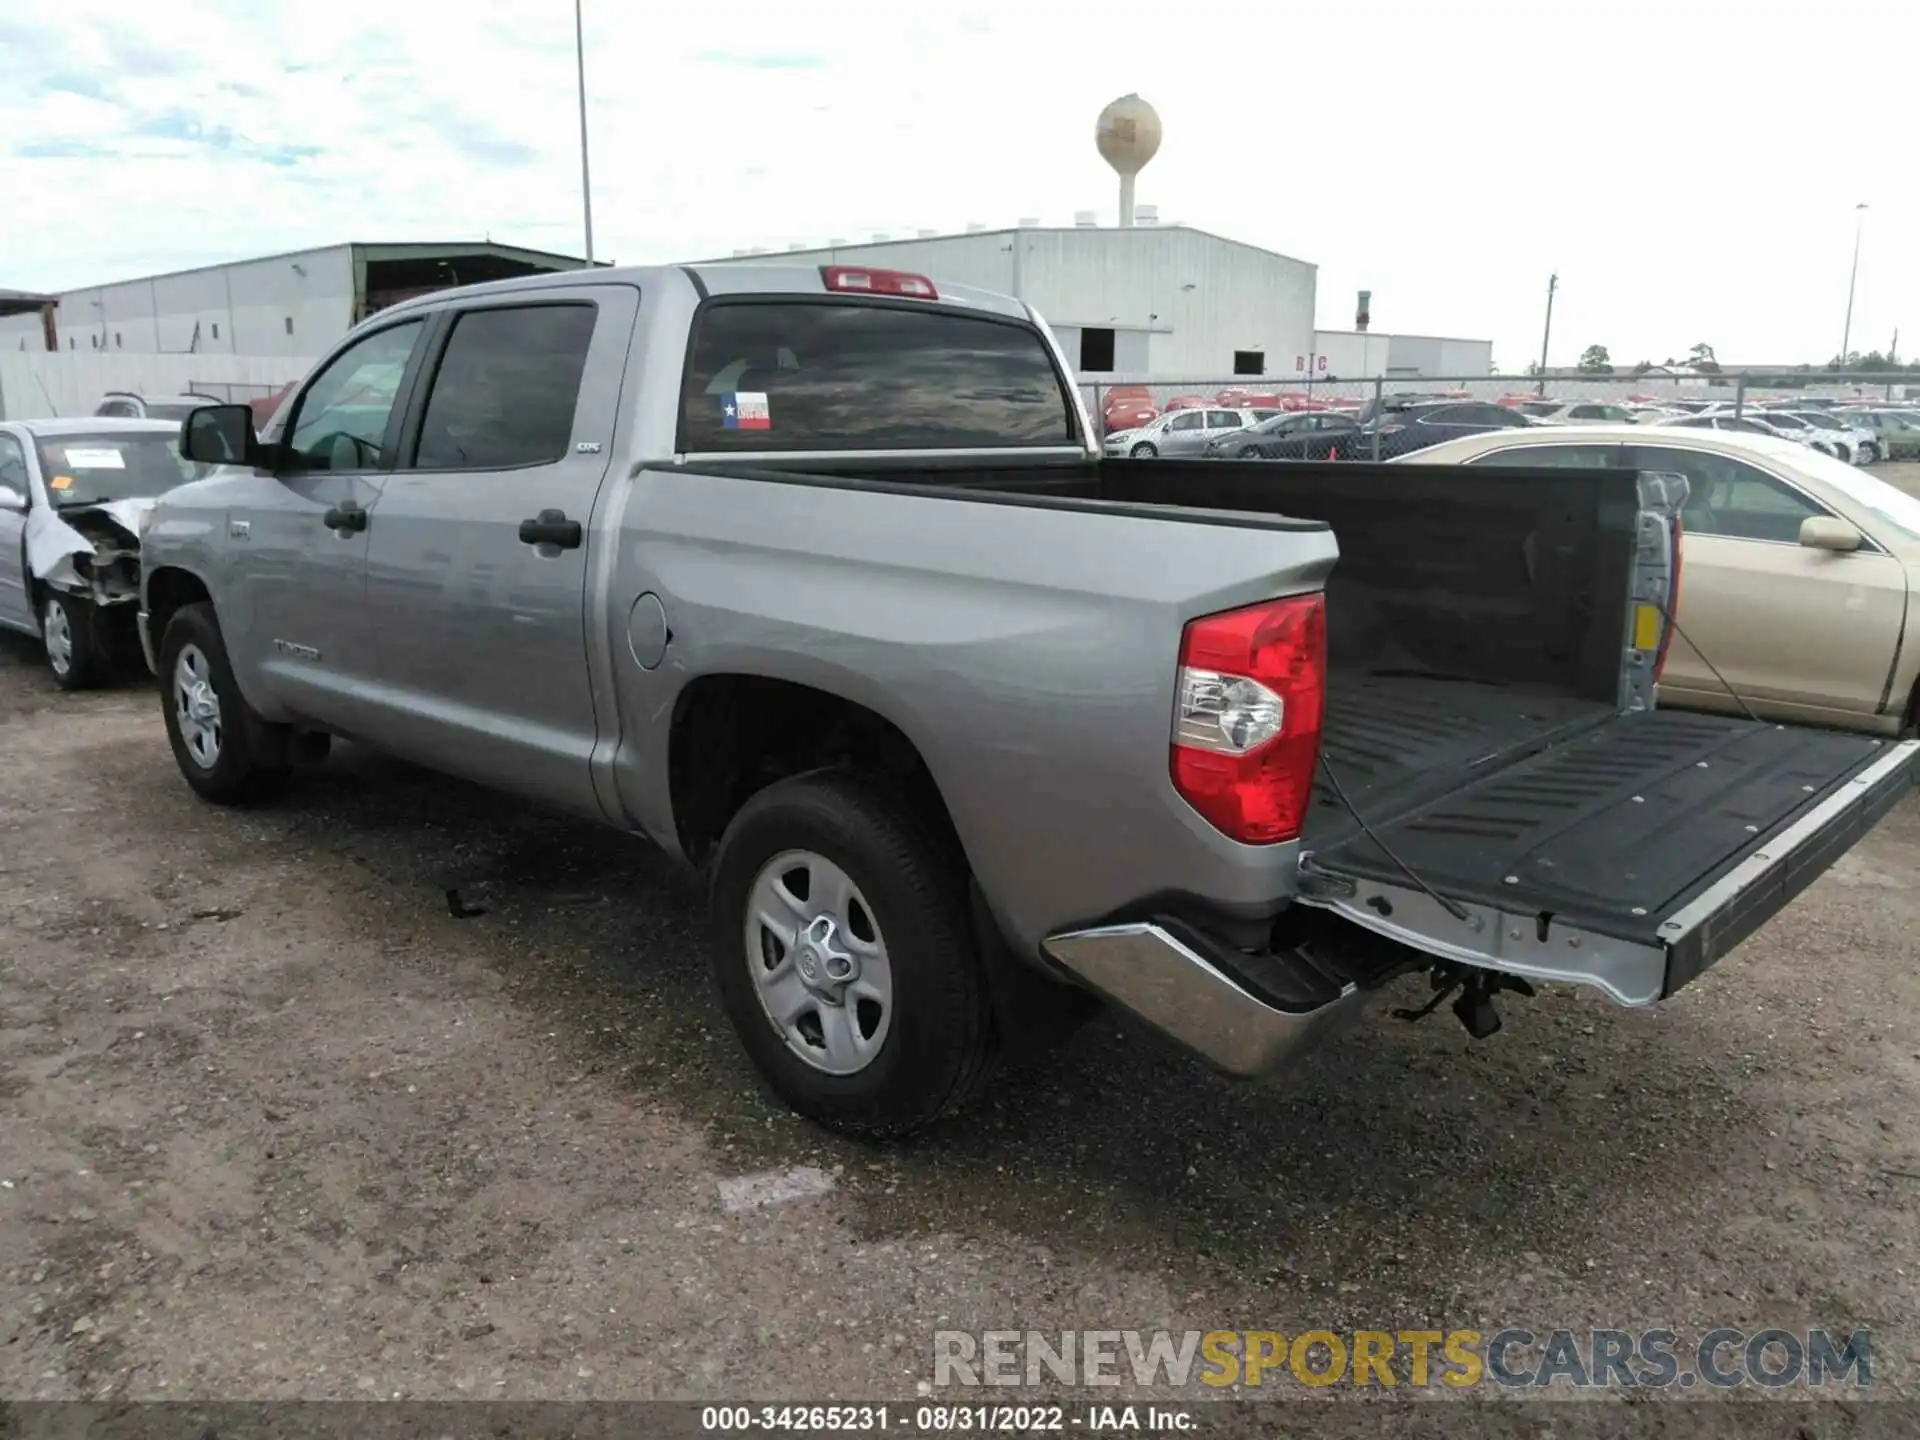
(1630, 857)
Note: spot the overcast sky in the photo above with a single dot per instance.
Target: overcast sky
(1690, 169)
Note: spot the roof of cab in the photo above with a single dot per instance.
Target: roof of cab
(730, 279)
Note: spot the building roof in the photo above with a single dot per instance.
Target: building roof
(371, 251)
(24, 302)
(1156, 229)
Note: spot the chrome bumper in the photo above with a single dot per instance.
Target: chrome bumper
(146, 643)
(1178, 991)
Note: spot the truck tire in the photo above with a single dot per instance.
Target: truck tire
(226, 752)
(75, 652)
(845, 955)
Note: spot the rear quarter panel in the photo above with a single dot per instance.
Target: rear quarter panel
(1028, 653)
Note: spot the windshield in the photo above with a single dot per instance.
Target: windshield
(174, 409)
(87, 469)
(1539, 407)
(1821, 421)
(1785, 422)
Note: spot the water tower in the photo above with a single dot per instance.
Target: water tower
(1128, 136)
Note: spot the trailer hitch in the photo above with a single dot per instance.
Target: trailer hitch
(1474, 1004)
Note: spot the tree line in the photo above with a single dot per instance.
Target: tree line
(1595, 360)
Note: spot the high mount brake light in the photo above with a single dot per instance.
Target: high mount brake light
(1251, 695)
(863, 280)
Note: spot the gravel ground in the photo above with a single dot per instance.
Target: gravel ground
(274, 1123)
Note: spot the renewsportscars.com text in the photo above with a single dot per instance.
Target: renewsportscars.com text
(1516, 1356)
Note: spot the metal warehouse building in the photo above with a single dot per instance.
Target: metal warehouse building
(294, 304)
(1145, 300)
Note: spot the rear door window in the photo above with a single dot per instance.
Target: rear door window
(826, 375)
(1571, 457)
(506, 387)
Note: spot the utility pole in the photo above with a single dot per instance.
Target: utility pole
(1553, 284)
(1846, 335)
(586, 174)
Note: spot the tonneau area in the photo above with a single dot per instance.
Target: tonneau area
(1393, 737)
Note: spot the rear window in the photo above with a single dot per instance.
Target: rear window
(820, 375)
(85, 469)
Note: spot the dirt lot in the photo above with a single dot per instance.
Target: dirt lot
(274, 1123)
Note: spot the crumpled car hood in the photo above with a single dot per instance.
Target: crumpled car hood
(52, 541)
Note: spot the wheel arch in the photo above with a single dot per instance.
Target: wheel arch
(732, 734)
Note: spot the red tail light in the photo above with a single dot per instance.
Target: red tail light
(860, 280)
(1673, 604)
(1247, 716)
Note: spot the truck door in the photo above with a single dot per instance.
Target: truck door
(298, 624)
(477, 560)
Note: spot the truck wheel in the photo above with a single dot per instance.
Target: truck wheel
(75, 654)
(844, 952)
(227, 753)
(1145, 450)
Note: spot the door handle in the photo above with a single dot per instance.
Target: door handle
(551, 527)
(345, 516)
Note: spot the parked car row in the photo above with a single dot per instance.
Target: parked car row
(1860, 435)
(967, 728)
(1132, 407)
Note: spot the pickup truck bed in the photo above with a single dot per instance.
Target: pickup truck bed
(1476, 728)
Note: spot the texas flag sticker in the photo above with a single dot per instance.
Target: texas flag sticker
(746, 410)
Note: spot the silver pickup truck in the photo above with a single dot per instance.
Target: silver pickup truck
(816, 579)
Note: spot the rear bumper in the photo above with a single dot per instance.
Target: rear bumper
(1180, 984)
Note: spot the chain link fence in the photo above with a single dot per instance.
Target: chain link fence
(233, 392)
(1365, 419)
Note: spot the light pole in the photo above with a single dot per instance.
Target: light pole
(586, 175)
(1553, 284)
(1846, 335)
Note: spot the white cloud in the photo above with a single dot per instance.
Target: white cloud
(1689, 170)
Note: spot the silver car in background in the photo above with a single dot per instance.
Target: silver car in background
(1183, 432)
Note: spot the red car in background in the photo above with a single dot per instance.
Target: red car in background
(1125, 407)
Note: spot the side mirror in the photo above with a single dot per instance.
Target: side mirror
(11, 499)
(219, 435)
(1824, 532)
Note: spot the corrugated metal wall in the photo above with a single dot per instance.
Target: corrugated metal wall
(39, 384)
(1198, 297)
(287, 305)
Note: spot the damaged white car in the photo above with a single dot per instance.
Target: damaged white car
(73, 494)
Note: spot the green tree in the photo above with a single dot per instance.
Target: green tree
(1643, 367)
(1595, 360)
(1701, 357)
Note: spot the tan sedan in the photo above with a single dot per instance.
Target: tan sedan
(1795, 570)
